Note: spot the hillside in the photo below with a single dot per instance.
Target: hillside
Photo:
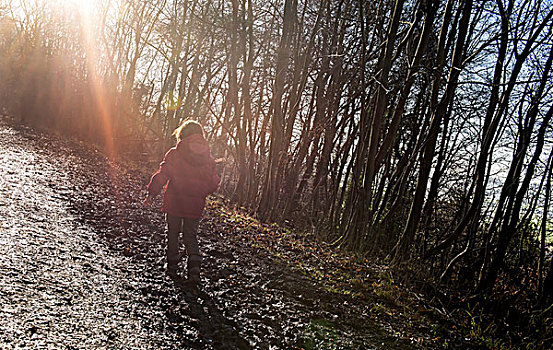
(82, 263)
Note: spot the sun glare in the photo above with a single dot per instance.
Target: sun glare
(82, 7)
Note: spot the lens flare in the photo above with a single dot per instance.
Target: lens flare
(102, 98)
(172, 101)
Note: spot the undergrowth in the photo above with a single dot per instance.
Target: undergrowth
(347, 276)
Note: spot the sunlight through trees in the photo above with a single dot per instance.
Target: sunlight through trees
(417, 132)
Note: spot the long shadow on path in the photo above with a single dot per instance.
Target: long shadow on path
(110, 202)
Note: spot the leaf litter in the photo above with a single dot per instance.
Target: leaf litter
(81, 266)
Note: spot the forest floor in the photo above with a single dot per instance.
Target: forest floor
(81, 267)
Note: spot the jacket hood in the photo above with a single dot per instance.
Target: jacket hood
(194, 149)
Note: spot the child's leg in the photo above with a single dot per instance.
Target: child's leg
(174, 227)
(190, 236)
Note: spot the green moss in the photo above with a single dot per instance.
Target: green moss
(320, 334)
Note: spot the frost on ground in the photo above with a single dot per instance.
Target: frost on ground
(81, 267)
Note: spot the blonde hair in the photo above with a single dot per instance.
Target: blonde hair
(187, 128)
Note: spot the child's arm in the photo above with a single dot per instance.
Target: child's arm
(160, 178)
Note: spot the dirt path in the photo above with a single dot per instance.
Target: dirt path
(60, 287)
(81, 268)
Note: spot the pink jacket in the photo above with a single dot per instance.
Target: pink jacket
(189, 172)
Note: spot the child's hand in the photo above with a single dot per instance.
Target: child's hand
(148, 201)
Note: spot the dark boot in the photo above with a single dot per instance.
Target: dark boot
(194, 266)
(172, 269)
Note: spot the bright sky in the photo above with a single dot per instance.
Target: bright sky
(85, 7)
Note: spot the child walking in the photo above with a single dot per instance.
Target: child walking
(189, 175)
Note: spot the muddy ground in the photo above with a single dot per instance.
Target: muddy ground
(81, 267)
